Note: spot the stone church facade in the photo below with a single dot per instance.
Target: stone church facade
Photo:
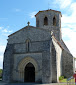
(38, 54)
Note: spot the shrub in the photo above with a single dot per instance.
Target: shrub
(1, 73)
(0, 76)
(61, 77)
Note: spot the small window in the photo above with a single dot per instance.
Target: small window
(27, 45)
(54, 21)
(45, 21)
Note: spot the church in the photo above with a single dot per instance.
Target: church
(38, 54)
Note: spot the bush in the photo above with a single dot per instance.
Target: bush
(1, 70)
(1, 73)
(0, 77)
(61, 77)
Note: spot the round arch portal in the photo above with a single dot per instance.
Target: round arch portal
(25, 65)
(29, 73)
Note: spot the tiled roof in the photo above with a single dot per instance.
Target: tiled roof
(48, 10)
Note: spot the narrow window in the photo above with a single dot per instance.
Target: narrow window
(45, 21)
(54, 21)
(27, 46)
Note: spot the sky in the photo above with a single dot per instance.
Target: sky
(14, 15)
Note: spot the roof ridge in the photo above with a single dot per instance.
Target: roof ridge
(28, 27)
(49, 10)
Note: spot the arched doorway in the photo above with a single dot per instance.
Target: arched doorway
(29, 73)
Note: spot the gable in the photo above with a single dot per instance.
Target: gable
(31, 33)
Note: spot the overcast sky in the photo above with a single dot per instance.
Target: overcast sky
(14, 15)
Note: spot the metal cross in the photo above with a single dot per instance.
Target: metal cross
(28, 23)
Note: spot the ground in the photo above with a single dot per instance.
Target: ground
(2, 83)
(63, 82)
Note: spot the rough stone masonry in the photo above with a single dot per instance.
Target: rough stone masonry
(38, 54)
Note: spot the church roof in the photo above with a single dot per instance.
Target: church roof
(61, 44)
(29, 27)
(57, 41)
(48, 10)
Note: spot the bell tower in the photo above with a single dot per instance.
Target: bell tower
(50, 20)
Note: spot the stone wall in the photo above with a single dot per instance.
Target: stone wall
(21, 60)
(37, 46)
(54, 67)
(56, 61)
(40, 51)
(67, 64)
(29, 33)
(46, 66)
(8, 63)
(50, 15)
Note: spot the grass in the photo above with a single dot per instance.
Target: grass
(65, 80)
(71, 82)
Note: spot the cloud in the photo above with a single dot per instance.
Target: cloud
(1, 27)
(17, 10)
(2, 48)
(71, 19)
(63, 3)
(7, 31)
(1, 62)
(70, 34)
(68, 22)
(69, 29)
(8, 26)
(6, 34)
(1, 54)
(32, 15)
(73, 9)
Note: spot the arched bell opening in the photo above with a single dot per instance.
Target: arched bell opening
(45, 21)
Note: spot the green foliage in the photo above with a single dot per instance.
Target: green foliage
(1, 73)
(61, 77)
(1, 70)
(64, 80)
(0, 77)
